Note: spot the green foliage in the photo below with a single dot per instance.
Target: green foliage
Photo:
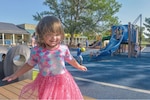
(147, 25)
(83, 16)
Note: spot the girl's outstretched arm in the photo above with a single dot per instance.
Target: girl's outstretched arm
(75, 64)
(26, 67)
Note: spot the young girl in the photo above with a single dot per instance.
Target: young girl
(53, 80)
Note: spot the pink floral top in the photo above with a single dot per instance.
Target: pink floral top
(50, 62)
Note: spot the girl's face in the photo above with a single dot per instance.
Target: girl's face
(52, 40)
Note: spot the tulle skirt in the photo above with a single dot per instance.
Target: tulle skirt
(58, 87)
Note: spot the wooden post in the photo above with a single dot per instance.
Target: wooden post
(129, 40)
(137, 32)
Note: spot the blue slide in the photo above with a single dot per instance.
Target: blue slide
(113, 44)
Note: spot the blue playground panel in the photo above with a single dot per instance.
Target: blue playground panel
(125, 32)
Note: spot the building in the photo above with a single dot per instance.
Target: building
(30, 28)
(11, 34)
(77, 38)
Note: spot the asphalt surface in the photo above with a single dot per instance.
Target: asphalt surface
(115, 77)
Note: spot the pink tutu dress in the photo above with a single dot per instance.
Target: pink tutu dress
(53, 82)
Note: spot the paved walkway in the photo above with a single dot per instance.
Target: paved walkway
(117, 77)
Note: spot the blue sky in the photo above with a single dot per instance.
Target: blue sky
(21, 11)
(131, 9)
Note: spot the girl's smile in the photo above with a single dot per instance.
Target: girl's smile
(52, 40)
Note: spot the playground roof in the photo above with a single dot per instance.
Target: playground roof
(11, 28)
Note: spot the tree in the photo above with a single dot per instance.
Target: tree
(147, 25)
(78, 16)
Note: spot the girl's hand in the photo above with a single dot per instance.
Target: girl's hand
(10, 78)
(83, 68)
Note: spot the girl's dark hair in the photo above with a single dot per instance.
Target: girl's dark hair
(48, 24)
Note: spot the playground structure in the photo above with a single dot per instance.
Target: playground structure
(77, 38)
(16, 57)
(97, 43)
(128, 36)
(127, 42)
